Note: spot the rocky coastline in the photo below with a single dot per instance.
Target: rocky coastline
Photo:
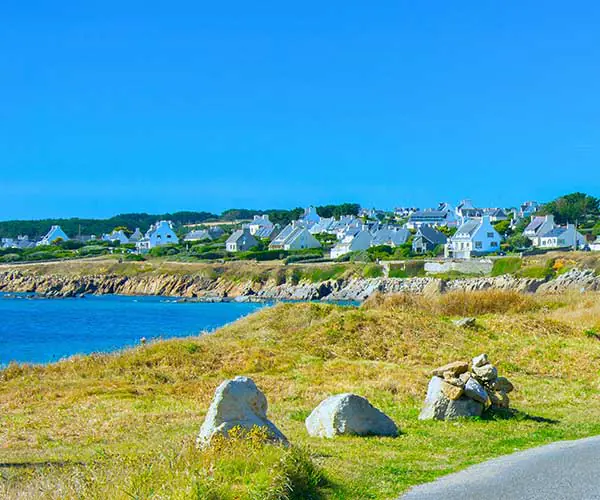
(195, 287)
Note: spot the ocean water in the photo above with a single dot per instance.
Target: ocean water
(34, 330)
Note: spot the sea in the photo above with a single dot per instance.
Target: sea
(40, 330)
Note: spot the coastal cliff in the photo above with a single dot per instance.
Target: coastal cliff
(222, 288)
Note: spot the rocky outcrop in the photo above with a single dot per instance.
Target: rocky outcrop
(349, 415)
(455, 392)
(573, 280)
(237, 404)
(192, 286)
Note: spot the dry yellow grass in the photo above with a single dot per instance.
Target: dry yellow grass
(131, 417)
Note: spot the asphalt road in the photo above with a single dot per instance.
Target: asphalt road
(568, 470)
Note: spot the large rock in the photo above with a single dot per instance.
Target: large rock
(439, 407)
(476, 391)
(455, 368)
(486, 373)
(452, 391)
(499, 399)
(349, 414)
(480, 360)
(237, 403)
(502, 384)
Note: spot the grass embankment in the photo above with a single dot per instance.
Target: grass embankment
(123, 425)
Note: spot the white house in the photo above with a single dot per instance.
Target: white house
(241, 241)
(261, 224)
(55, 233)
(352, 243)
(294, 236)
(474, 237)
(595, 246)
(159, 234)
(544, 233)
(562, 237)
(539, 226)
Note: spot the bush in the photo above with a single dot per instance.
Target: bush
(163, 251)
(11, 257)
(93, 250)
(372, 271)
(135, 257)
(263, 255)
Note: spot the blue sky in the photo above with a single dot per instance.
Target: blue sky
(164, 106)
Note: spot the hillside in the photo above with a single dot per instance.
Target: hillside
(123, 425)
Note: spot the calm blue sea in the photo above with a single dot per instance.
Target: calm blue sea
(37, 330)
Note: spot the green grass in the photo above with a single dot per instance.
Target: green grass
(507, 265)
(123, 425)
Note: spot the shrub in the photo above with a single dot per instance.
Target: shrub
(135, 257)
(372, 271)
(11, 257)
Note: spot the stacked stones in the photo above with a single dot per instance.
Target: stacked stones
(455, 392)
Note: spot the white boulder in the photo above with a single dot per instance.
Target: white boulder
(237, 403)
(439, 407)
(348, 414)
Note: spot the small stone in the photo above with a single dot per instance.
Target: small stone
(502, 384)
(465, 376)
(486, 373)
(464, 322)
(463, 408)
(349, 414)
(480, 360)
(456, 368)
(452, 391)
(451, 379)
(499, 399)
(475, 390)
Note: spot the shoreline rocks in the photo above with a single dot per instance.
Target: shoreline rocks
(220, 289)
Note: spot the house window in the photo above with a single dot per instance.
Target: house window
(478, 244)
(494, 244)
(490, 235)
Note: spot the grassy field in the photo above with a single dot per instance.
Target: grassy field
(123, 426)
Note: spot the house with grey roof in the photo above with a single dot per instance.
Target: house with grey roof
(119, 236)
(561, 237)
(295, 236)
(474, 237)
(391, 236)
(427, 239)
(545, 233)
(261, 224)
(198, 235)
(136, 236)
(362, 240)
(431, 218)
(241, 241)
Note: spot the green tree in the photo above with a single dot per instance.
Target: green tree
(574, 207)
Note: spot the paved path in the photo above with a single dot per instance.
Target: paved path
(567, 470)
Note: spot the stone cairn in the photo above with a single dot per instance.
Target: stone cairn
(454, 391)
